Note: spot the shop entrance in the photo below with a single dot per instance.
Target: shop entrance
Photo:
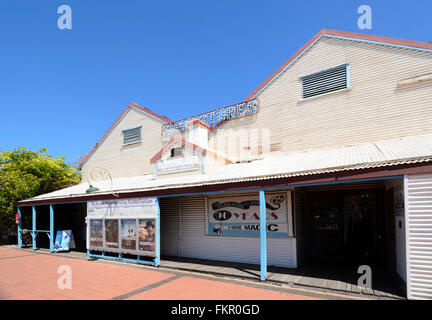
(347, 224)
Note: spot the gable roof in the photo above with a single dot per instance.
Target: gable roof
(130, 106)
(183, 143)
(401, 43)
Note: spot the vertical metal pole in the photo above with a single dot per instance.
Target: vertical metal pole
(51, 228)
(34, 227)
(263, 235)
(157, 258)
(407, 237)
(19, 229)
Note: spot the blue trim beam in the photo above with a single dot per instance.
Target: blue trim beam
(51, 233)
(19, 229)
(263, 235)
(34, 230)
(157, 258)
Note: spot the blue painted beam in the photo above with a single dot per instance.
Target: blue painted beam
(19, 229)
(34, 233)
(120, 258)
(157, 258)
(263, 235)
(51, 228)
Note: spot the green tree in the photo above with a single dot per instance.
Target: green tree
(25, 173)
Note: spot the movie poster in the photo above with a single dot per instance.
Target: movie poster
(147, 234)
(128, 234)
(111, 233)
(96, 235)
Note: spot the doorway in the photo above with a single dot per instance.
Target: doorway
(346, 226)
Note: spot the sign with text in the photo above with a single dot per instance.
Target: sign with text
(214, 117)
(178, 165)
(123, 208)
(240, 215)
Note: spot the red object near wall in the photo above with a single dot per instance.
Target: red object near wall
(17, 218)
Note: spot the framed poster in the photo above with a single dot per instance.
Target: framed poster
(123, 226)
(111, 233)
(146, 235)
(96, 233)
(240, 215)
(128, 234)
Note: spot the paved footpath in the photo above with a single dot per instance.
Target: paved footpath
(31, 275)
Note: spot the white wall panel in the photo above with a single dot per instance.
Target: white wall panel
(418, 199)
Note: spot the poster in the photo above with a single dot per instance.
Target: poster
(111, 233)
(240, 215)
(96, 235)
(147, 234)
(64, 241)
(127, 225)
(128, 234)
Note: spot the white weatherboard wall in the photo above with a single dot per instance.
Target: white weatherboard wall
(183, 229)
(418, 213)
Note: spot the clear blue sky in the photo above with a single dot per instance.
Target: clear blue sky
(63, 89)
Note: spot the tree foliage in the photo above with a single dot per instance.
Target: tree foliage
(25, 173)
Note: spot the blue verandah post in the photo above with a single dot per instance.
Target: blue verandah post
(51, 228)
(157, 258)
(19, 229)
(34, 227)
(263, 235)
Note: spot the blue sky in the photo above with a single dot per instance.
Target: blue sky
(62, 89)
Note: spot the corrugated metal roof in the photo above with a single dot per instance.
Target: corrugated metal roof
(406, 150)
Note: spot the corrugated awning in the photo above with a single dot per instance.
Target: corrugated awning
(409, 150)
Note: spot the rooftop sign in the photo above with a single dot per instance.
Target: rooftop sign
(214, 117)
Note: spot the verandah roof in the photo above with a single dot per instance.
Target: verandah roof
(408, 150)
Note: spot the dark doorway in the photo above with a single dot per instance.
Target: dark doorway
(346, 226)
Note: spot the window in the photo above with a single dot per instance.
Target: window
(176, 152)
(132, 135)
(325, 81)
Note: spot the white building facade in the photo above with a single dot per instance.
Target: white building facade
(334, 149)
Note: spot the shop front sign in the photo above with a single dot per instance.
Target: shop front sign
(214, 117)
(178, 165)
(240, 215)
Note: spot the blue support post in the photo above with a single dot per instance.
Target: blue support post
(263, 235)
(34, 227)
(19, 229)
(51, 228)
(157, 258)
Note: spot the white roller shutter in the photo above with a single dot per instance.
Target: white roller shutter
(418, 199)
(169, 222)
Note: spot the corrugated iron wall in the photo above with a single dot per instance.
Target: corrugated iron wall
(418, 213)
(183, 233)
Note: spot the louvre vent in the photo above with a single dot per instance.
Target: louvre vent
(132, 135)
(324, 82)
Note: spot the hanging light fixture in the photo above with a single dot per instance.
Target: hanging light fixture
(92, 189)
